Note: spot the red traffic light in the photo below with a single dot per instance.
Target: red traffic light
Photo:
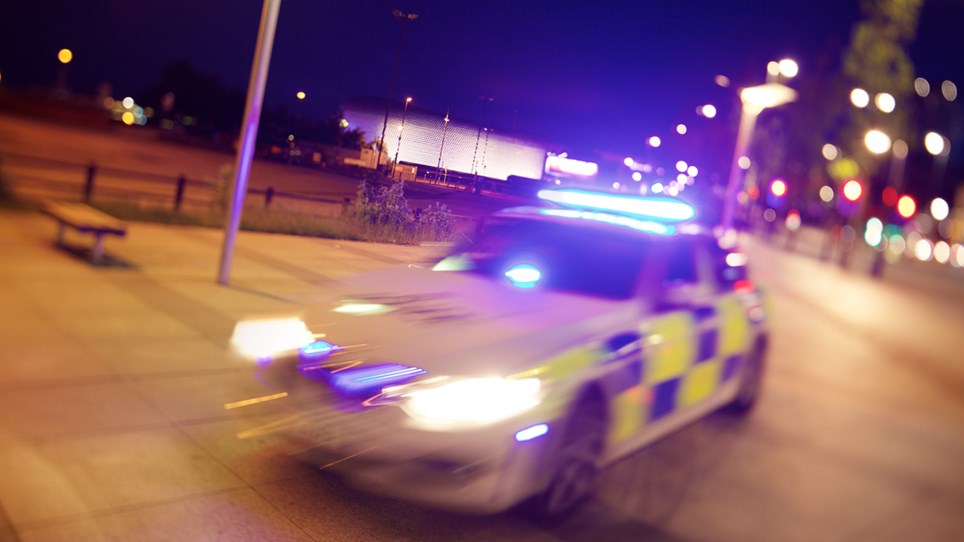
(906, 206)
(778, 188)
(852, 190)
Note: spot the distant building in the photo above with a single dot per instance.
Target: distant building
(496, 155)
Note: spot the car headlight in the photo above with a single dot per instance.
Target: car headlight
(262, 339)
(470, 401)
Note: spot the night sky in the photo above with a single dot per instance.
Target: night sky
(591, 76)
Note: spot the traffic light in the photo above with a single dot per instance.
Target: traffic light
(852, 190)
(906, 206)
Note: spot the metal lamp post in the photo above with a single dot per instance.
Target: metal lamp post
(475, 153)
(402, 19)
(754, 100)
(398, 144)
(438, 167)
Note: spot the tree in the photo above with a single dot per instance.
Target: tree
(183, 92)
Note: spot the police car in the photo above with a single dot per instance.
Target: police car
(559, 340)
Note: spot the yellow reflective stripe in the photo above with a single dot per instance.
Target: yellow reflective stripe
(675, 349)
(563, 365)
(629, 412)
(699, 382)
(734, 334)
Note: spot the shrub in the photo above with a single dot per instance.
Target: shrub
(381, 213)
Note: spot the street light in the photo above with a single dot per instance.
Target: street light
(402, 19)
(755, 100)
(877, 142)
(475, 153)
(398, 145)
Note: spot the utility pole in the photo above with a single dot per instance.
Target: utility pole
(438, 167)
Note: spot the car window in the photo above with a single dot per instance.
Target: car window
(572, 258)
(680, 264)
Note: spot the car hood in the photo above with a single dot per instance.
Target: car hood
(458, 323)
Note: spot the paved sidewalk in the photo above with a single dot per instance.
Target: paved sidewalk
(114, 379)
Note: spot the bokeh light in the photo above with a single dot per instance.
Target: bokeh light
(906, 207)
(708, 110)
(923, 250)
(885, 102)
(793, 220)
(127, 118)
(859, 97)
(692, 171)
(934, 143)
(773, 68)
(301, 95)
(949, 90)
(826, 194)
(655, 141)
(852, 190)
(722, 80)
(628, 161)
(743, 162)
(637, 176)
(900, 149)
(65, 56)
(939, 209)
(681, 166)
(889, 196)
(680, 128)
(830, 152)
(788, 67)
(877, 142)
(128, 103)
(957, 253)
(922, 87)
(942, 252)
(778, 187)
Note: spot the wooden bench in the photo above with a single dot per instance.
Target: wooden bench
(84, 219)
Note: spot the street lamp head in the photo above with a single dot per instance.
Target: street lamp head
(756, 99)
(301, 95)
(788, 68)
(408, 100)
(859, 97)
(65, 56)
(402, 16)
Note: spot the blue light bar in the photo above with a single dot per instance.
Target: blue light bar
(619, 220)
(663, 209)
(531, 432)
(373, 377)
(317, 350)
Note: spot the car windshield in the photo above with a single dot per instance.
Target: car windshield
(550, 255)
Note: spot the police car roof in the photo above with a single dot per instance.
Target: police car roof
(609, 222)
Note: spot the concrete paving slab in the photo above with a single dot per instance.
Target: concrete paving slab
(144, 356)
(196, 397)
(68, 478)
(36, 413)
(228, 516)
(48, 356)
(256, 460)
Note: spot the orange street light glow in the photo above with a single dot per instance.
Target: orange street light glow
(65, 56)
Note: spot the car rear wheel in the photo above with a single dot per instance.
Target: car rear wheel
(576, 464)
(751, 378)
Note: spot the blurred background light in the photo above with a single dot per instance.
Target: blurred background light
(852, 190)
(128, 102)
(859, 97)
(877, 142)
(709, 111)
(939, 209)
(628, 161)
(826, 194)
(922, 87)
(788, 67)
(906, 207)
(949, 90)
(923, 250)
(942, 252)
(301, 95)
(722, 80)
(743, 162)
(637, 176)
(681, 166)
(680, 128)
(65, 56)
(773, 68)
(900, 149)
(885, 102)
(692, 171)
(654, 141)
(934, 143)
(958, 255)
(830, 152)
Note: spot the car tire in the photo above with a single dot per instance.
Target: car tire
(576, 461)
(751, 379)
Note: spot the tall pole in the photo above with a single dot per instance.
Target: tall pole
(249, 132)
(445, 127)
(733, 185)
(398, 144)
(402, 19)
(478, 137)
